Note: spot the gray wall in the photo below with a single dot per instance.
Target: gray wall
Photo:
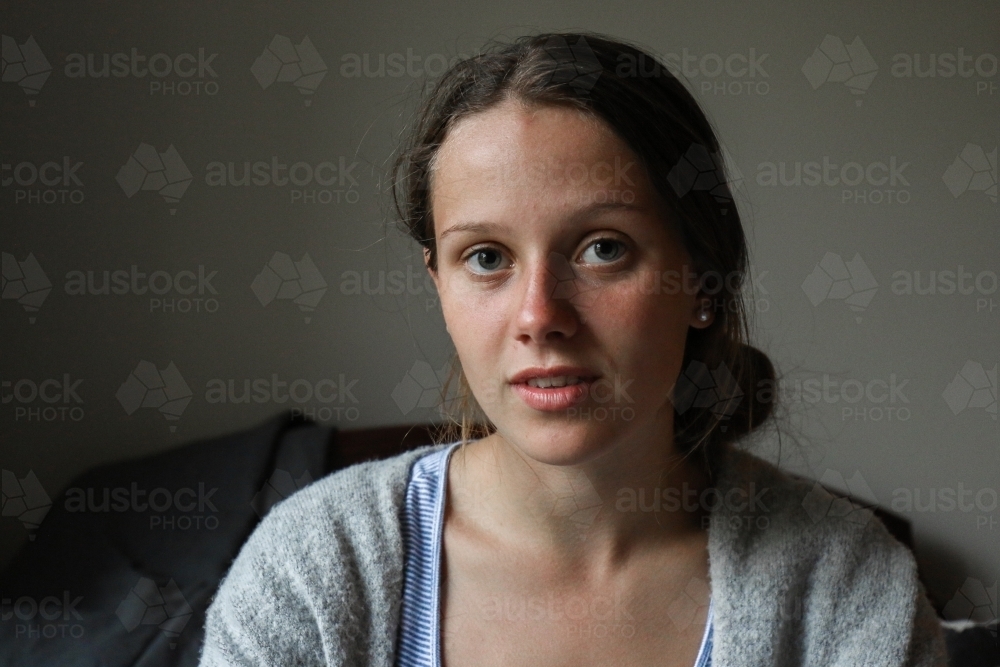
(912, 197)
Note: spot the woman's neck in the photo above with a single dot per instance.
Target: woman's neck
(635, 494)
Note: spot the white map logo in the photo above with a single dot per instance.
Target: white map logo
(149, 604)
(973, 387)
(164, 390)
(24, 282)
(576, 65)
(833, 278)
(716, 390)
(24, 499)
(420, 387)
(24, 65)
(820, 503)
(686, 607)
(836, 62)
(299, 282)
(164, 172)
(576, 501)
(284, 62)
(974, 602)
(279, 486)
(974, 170)
(700, 170)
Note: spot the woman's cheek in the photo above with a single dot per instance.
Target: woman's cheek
(626, 305)
(649, 329)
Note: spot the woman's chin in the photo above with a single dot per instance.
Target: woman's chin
(560, 442)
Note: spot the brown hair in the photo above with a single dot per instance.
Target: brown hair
(656, 116)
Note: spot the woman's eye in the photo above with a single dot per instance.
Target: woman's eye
(485, 260)
(603, 251)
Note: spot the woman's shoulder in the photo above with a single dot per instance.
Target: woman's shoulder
(791, 505)
(326, 556)
(800, 512)
(360, 502)
(784, 550)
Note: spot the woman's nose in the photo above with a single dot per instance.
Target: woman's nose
(545, 310)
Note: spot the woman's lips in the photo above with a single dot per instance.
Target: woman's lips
(553, 399)
(554, 389)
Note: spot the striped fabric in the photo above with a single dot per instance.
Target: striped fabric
(423, 524)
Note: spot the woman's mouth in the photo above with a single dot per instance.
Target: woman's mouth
(553, 389)
(557, 381)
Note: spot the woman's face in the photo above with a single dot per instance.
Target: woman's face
(561, 286)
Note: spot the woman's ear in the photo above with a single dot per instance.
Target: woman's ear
(436, 279)
(701, 314)
(431, 270)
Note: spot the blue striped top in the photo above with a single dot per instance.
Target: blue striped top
(423, 527)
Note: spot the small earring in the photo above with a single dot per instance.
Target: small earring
(703, 316)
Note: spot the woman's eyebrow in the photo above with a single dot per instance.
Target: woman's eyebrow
(473, 227)
(601, 207)
(495, 228)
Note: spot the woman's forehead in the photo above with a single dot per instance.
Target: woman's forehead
(518, 136)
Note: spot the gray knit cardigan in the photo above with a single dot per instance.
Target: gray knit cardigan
(816, 582)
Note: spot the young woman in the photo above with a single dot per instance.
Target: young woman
(573, 210)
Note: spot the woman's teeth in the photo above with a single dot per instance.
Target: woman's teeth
(558, 381)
